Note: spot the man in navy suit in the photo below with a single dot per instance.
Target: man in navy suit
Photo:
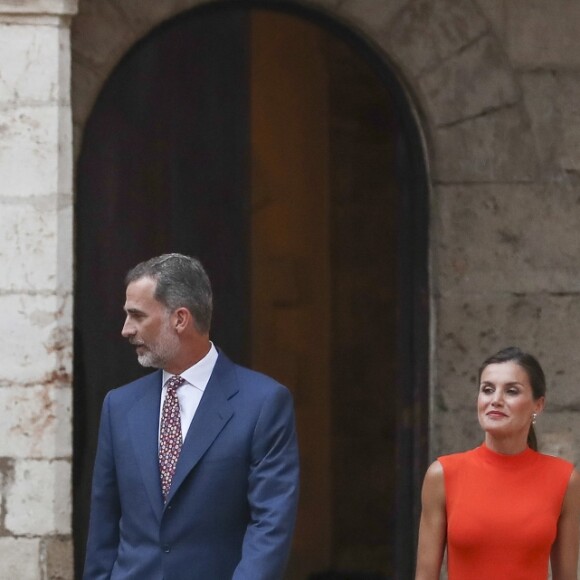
(229, 498)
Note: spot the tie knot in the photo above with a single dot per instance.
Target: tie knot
(175, 382)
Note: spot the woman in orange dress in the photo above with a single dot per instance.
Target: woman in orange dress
(502, 510)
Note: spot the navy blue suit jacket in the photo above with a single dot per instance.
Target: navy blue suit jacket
(231, 509)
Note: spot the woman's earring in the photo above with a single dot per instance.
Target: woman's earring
(534, 417)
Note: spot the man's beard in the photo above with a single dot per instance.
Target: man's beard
(163, 350)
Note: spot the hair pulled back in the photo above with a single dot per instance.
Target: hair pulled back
(535, 375)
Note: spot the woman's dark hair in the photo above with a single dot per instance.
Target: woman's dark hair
(534, 371)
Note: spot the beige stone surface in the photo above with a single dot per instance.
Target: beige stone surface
(543, 35)
(495, 12)
(20, 559)
(100, 34)
(28, 244)
(496, 146)
(35, 339)
(36, 422)
(551, 99)
(497, 238)
(32, 7)
(30, 64)
(475, 80)
(59, 559)
(38, 500)
(371, 14)
(33, 156)
(427, 32)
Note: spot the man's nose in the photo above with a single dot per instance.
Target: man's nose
(127, 329)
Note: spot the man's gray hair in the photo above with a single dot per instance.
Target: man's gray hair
(181, 282)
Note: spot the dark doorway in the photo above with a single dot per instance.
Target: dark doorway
(278, 148)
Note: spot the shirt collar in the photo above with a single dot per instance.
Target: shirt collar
(199, 374)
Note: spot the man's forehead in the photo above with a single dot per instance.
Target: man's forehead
(141, 291)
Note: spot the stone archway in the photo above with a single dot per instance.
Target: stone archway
(439, 53)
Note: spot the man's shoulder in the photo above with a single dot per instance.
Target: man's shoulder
(249, 379)
(137, 387)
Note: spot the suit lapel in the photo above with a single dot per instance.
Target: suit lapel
(143, 423)
(213, 413)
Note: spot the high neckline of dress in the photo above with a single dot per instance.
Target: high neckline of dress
(506, 460)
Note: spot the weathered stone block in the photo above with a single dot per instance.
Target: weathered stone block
(469, 83)
(101, 34)
(370, 14)
(20, 558)
(507, 238)
(540, 93)
(497, 146)
(473, 326)
(30, 57)
(538, 35)
(551, 99)
(38, 501)
(29, 150)
(455, 431)
(35, 339)
(569, 108)
(429, 31)
(36, 422)
(28, 238)
(59, 559)
(495, 12)
(559, 433)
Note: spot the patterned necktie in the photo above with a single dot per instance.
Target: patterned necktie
(170, 434)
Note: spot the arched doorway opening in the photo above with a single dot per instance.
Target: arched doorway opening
(282, 151)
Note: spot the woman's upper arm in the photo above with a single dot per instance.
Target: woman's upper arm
(564, 556)
(433, 526)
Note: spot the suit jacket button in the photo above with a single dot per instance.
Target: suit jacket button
(167, 548)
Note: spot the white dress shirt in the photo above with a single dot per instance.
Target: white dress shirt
(189, 393)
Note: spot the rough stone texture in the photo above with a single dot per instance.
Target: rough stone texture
(38, 500)
(36, 422)
(29, 136)
(428, 31)
(495, 12)
(473, 81)
(540, 34)
(59, 559)
(36, 286)
(20, 558)
(497, 146)
(551, 99)
(501, 238)
(370, 13)
(36, 347)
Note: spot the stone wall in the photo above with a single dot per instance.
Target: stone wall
(35, 290)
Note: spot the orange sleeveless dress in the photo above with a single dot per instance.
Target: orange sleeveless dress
(502, 513)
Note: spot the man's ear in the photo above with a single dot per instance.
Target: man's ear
(181, 318)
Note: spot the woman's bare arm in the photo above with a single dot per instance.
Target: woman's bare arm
(564, 556)
(433, 526)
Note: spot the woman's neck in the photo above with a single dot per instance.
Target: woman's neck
(506, 445)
